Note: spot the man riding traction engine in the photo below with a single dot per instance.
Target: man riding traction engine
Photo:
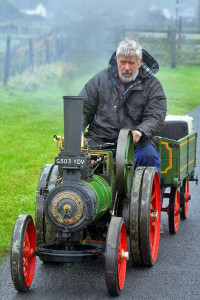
(86, 205)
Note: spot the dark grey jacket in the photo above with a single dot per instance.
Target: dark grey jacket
(141, 107)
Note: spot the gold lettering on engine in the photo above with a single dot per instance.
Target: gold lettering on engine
(65, 218)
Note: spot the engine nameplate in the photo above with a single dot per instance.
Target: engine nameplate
(65, 200)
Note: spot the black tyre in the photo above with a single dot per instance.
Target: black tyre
(134, 216)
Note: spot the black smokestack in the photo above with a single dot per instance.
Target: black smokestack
(73, 116)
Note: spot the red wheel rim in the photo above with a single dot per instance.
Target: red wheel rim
(186, 196)
(155, 208)
(176, 209)
(29, 257)
(121, 258)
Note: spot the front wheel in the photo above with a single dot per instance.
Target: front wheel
(22, 257)
(116, 256)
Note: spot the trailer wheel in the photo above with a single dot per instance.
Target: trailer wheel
(149, 216)
(184, 199)
(125, 163)
(22, 257)
(116, 256)
(134, 216)
(173, 210)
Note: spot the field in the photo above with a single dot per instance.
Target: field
(32, 113)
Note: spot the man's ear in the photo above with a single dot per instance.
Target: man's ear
(141, 60)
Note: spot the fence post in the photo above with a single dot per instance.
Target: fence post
(58, 52)
(31, 55)
(172, 41)
(47, 51)
(7, 61)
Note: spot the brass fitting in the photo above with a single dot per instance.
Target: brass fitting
(125, 254)
(67, 208)
(84, 142)
(60, 141)
(154, 214)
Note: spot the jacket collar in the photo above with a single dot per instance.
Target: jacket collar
(148, 68)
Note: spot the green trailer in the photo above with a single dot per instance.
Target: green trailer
(178, 159)
(177, 149)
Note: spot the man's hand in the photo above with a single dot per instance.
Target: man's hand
(136, 136)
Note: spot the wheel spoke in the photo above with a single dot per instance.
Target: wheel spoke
(153, 197)
(26, 239)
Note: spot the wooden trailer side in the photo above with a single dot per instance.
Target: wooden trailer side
(178, 159)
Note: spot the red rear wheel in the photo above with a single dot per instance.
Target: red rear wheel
(155, 207)
(149, 219)
(184, 199)
(23, 253)
(116, 256)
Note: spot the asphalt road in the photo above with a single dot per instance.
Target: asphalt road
(175, 275)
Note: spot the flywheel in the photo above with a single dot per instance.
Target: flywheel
(125, 162)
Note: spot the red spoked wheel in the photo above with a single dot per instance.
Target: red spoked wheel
(155, 208)
(22, 257)
(149, 220)
(116, 256)
(173, 210)
(184, 199)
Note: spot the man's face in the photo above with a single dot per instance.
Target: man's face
(128, 68)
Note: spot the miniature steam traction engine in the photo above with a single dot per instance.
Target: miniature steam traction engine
(91, 199)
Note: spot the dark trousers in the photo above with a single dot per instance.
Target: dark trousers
(146, 155)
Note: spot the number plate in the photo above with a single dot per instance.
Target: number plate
(71, 162)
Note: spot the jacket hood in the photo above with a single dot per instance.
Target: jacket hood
(148, 68)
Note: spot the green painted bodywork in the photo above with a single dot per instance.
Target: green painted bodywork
(178, 159)
(103, 192)
(110, 165)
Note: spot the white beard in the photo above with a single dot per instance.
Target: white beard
(128, 79)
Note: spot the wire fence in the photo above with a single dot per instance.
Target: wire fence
(168, 47)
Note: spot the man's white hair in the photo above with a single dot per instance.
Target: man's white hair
(128, 48)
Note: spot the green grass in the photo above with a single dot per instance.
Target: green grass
(29, 119)
(181, 86)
